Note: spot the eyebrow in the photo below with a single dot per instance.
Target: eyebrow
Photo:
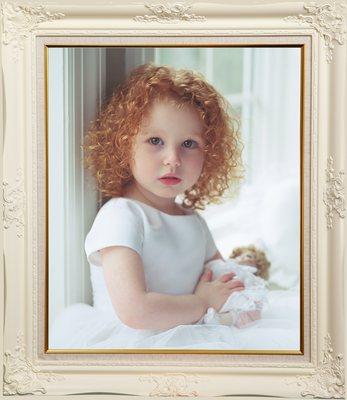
(146, 131)
(196, 135)
(151, 132)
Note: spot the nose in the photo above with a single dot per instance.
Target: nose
(172, 158)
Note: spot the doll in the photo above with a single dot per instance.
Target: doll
(241, 308)
(252, 256)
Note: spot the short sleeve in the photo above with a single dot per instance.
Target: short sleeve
(117, 223)
(211, 248)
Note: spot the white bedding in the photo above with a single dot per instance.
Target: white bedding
(82, 326)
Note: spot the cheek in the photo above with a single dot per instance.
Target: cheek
(196, 163)
(143, 160)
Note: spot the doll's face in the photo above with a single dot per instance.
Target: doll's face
(168, 150)
(246, 258)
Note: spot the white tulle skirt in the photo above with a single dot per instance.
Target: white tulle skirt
(81, 326)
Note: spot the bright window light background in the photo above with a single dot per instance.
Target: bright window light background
(263, 87)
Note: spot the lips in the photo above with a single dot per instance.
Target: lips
(170, 180)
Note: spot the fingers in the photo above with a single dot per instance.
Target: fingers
(206, 276)
(235, 284)
(227, 277)
(234, 290)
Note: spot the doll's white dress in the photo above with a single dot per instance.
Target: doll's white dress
(174, 249)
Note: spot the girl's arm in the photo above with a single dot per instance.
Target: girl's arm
(139, 309)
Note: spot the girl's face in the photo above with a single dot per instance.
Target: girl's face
(168, 151)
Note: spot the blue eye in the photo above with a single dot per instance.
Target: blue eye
(190, 144)
(155, 141)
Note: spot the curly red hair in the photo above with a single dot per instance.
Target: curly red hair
(109, 142)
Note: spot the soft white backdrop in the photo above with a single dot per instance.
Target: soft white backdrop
(262, 84)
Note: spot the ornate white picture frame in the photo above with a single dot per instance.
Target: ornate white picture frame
(318, 369)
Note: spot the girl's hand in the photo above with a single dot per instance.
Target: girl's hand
(215, 293)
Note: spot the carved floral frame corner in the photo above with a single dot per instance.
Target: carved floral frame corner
(328, 20)
(327, 381)
(19, 20)
(21, 377)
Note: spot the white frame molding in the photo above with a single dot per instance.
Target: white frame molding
(28, 28)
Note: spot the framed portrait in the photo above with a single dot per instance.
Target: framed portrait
(245, 103)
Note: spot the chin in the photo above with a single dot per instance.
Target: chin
(169, 194)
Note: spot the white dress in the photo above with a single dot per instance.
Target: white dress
(174, 249)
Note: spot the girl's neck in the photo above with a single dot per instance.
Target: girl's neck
(168, 206)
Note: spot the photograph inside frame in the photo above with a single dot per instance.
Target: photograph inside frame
(174, 202)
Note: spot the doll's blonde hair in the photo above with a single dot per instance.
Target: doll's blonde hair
(109, 142)
(261, 262)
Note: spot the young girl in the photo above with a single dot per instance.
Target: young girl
(164, 134)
